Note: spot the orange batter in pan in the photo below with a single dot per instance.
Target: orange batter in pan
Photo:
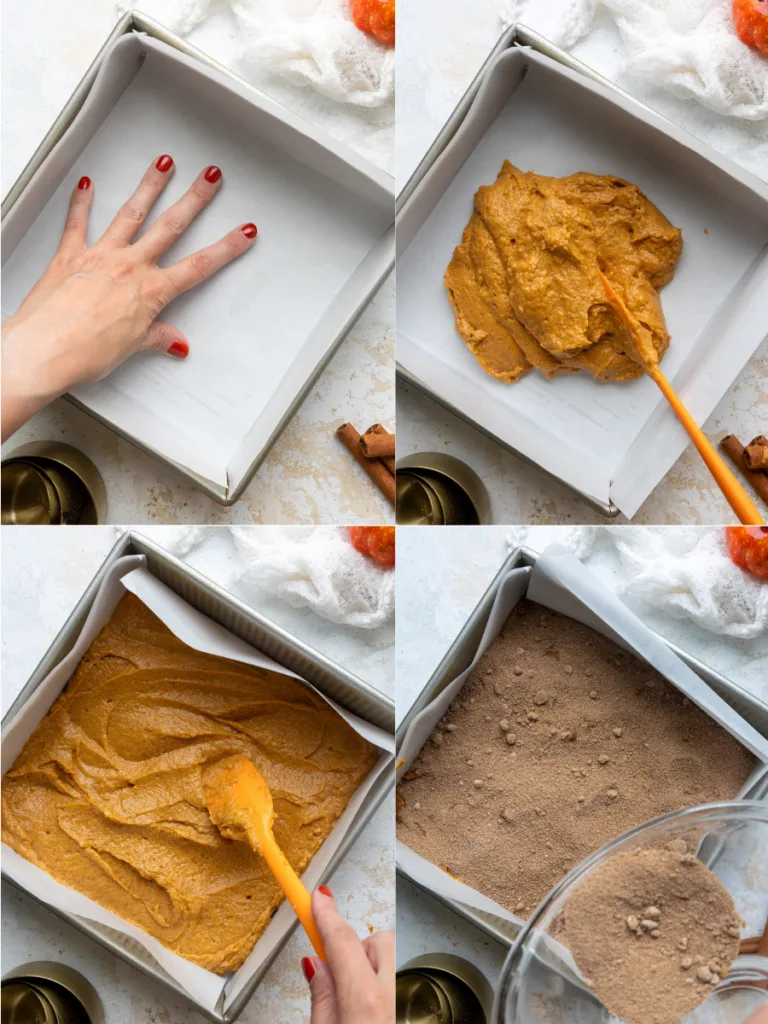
(107, 797)
(525, 282)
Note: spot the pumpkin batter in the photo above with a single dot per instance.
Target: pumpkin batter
(107, 797)
(526, 286)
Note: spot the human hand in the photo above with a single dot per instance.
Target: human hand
(760, 1016)
(95, 306)
(358, 982)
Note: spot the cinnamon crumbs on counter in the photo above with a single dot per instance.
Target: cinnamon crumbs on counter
(558, 742)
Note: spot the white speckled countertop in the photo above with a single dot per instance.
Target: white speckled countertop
(308, 476)
(441, 575)
(440, 49)
(44, 574)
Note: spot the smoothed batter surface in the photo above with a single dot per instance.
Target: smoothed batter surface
(525, 282)
(106, 795)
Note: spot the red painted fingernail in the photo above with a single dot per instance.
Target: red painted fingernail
(308, 967)
(212, 173)
(84, 183)
(325, 891)
(249, 230)
(180, 349)
(165, 163)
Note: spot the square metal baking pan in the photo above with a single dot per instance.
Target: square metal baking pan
(471, 138)
(135, 21)
(331, 679)
(460, 655)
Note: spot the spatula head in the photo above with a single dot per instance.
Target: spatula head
(237, 798)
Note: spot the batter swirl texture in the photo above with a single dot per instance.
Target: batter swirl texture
(107, 797)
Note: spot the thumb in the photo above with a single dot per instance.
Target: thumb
(322, 991)
(164, 338)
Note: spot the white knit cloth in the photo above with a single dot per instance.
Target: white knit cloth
(689, 574)
(317, 568)
(685, 572)
(310, 42)
(687, 46)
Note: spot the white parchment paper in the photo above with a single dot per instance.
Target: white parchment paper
(559, 581)
(609, 441)
(203, 634)
(258, 329)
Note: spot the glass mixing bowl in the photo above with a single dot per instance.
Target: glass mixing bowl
(540, 982)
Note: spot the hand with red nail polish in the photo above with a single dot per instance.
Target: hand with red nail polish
(357, 984)
(98, 304)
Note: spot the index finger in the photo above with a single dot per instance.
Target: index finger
(346, 956)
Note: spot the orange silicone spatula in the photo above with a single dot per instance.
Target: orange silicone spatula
(732, 490)
(240, 805)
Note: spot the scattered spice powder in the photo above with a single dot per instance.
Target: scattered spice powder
(652, 932)
(557, 781)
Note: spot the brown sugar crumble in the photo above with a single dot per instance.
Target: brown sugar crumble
(652, 932)
(571, 749)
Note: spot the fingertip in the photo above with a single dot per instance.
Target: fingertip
(85, 184)
(323, 903)
(308, 967)
(179, 349)
(249, 230)
(166, 339)
(164, 163)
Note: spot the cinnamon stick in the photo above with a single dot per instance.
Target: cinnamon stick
(756, 457)
(734, 449)
(377, 428)
(377, 446)
(375, 468)
(756, 453)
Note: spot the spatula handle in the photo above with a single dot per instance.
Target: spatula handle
(732, 490)
(294, 889)
(734, 493)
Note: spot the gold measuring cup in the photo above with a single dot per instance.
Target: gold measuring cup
(441, 988)
(46, 992)
(437, 489)
(28, 496)
(49, 483)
